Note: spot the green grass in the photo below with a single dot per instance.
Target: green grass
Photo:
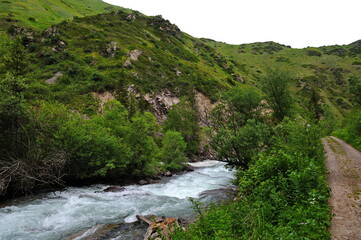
(41, 14)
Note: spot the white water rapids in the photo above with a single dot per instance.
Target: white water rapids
(58, 215)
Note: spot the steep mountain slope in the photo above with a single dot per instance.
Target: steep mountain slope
(109, 51)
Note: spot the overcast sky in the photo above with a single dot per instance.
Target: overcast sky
(298, 23)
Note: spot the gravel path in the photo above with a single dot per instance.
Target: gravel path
(344, 178)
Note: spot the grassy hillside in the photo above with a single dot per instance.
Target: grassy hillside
(92, 52)
(41, 14)
(326, 69)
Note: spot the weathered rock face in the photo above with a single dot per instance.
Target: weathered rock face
(54, 79)
(162, 103)
(164, 25)
(204, 107)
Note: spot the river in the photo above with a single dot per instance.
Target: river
(58, 215)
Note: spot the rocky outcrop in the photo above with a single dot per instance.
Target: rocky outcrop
(134, 55)
(162, 103)
(204, 106)
(51, 32)
(60, 46)
(110, 49)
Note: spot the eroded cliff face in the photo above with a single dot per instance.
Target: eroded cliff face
(161, 103)
(204, 106)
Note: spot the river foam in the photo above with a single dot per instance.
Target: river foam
(57, 216)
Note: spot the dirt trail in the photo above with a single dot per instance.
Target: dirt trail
(344, 178)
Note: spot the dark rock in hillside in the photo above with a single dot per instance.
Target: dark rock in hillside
(60, 46)
(110, 49)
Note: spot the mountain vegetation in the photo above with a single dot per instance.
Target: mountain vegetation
(91, 93)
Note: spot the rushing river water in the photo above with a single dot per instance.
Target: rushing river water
(58, 215)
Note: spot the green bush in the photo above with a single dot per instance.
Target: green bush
(173, 149)
(351, 133)
(282, 195)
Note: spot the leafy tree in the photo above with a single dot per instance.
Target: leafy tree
(93, 151)
(173, 150)
(139, 137)
(183, 118)
(276, 87)
(135, 135)
(13, 112)
(237, 127)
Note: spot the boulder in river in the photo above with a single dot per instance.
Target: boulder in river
(112, 189)
(142, 182)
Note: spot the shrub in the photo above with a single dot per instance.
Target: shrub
(173, 150)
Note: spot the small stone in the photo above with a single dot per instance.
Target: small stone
(128, 64)
(114, 189)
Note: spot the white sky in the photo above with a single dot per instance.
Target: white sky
(298, 23)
